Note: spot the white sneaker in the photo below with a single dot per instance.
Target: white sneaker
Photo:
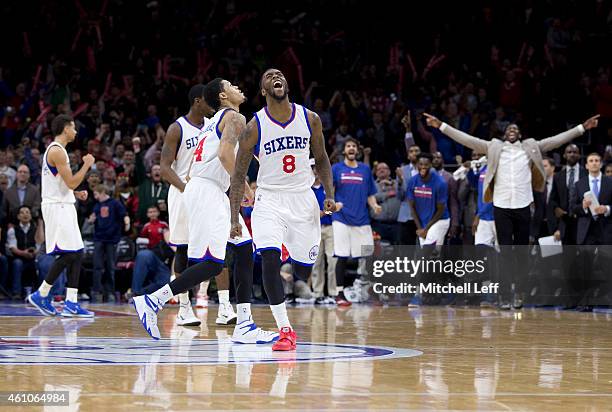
(147, 309)
(186, 317)
(248, 332)
(201, 301)
(226, 315)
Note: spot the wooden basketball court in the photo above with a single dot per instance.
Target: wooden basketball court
(363, 358)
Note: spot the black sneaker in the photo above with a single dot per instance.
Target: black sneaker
(290, 299)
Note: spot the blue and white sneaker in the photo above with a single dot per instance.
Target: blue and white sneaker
(147, 308)
(74, 310)
(248, 332)
(42, 304)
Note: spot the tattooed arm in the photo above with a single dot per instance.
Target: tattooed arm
(317, 144)
(231, 127)
(246, 141)
(168, 153)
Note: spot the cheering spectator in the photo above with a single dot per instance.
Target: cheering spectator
(152, 192)
(407, 228)
(355, 190)
(428, 196)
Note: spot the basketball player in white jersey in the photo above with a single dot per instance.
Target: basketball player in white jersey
(180, 142)
(209, 218)
(286, 210)
(62, 233)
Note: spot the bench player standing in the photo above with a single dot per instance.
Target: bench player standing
(179, 144)
(286, 211)
(213, 160)
(62, 232)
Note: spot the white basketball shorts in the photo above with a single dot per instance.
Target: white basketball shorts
(436, 233)
(177, 216)
(62, 233)
(209, 220)
(287, 218)
(352, 241)
(486, 233)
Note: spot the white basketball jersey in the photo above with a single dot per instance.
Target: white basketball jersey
(54, 189)
(190, 136)
(206, 163)
(283, 151)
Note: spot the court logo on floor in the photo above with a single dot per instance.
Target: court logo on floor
(23, 350)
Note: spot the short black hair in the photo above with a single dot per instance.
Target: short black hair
(154, 207)
(59, 123)
(196, 92)
(24, 207)
(427, 156)
(211, 94)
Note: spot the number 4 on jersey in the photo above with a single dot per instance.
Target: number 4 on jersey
(198, 151)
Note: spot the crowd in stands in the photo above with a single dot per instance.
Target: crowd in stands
(123, 72)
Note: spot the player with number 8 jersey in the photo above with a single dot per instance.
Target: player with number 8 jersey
(286, 210)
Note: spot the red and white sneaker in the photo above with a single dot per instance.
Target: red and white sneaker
(286, 341)
(341, 300)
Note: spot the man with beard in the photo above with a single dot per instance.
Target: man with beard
(514, 171)
(355, 191)
(286, 210)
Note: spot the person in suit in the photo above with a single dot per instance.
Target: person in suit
(594, 228)
(22, 193)
(563, 195)
(544, 222)
(514, 171)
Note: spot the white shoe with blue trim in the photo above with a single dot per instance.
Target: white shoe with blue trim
(248, 332)
(147, 308)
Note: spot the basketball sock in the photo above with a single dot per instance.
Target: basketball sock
(164, 294)
(223, 297)
(184, 298)
(243, 312)
(204, 288)
(272, 282)
(243, 272)
(280, 315)
(71, 295)
(44, 289)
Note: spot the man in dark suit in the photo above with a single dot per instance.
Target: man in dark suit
(594, 228)
(544, 222)
(22, 193)
(563, 195)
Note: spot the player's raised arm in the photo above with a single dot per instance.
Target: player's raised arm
(317, 144)
(232, 126)
(58, 160)
(246, 141)
(168, 153)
